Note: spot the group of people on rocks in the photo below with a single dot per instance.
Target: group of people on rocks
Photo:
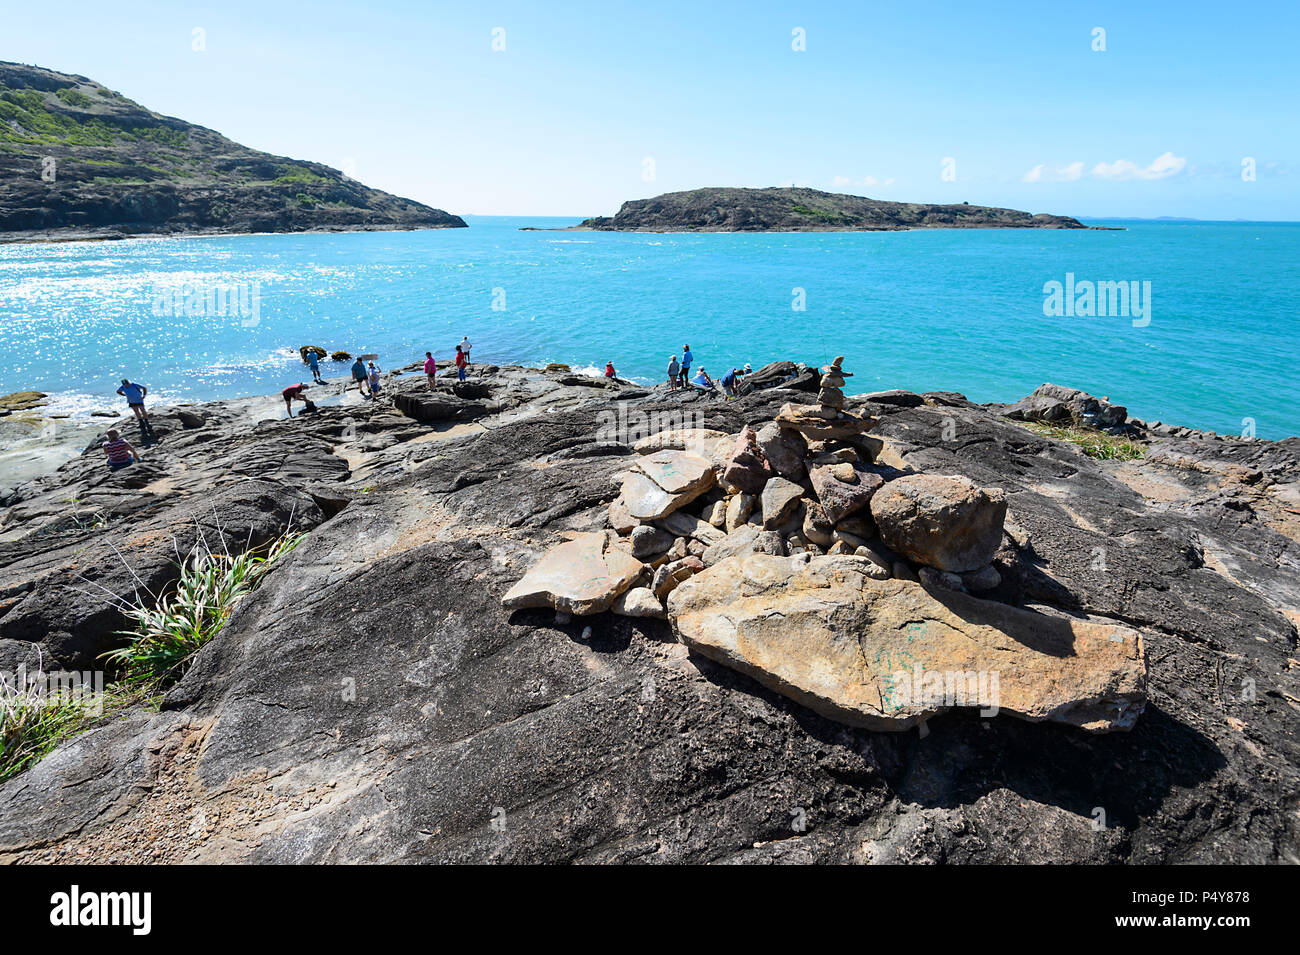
(679, 375)
(365, 374)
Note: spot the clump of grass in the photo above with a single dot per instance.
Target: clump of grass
(34, 720)
(167, 635)
(1095, 444)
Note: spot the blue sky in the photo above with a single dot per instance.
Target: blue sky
(412, 98)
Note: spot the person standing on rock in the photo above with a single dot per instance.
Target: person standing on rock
(687, 358)
(373, 376)
(674, 371)
(430, 369)
(360, 377)
(134, 395)
(729, 383)
(313, 361)
(119, 453)
(465, 346)
(462, 362)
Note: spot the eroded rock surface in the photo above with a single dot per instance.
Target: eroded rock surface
(374, 700)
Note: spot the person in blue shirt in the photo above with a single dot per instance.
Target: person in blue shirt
(134, 395)
(313, 360)
(702, 380)
(687, 358)
(361, 377)
(729, 382)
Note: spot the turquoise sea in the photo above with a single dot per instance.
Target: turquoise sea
(927, 310)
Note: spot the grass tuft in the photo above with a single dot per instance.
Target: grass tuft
(166, 636)
(1095, 444)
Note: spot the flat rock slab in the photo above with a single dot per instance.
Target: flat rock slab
(888, 654)
(581, 576)
(647, 501)
(678, 472)
(679, 439)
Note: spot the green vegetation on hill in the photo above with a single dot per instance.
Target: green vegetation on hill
(75, 156)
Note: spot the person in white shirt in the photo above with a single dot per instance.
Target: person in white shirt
(465, 347)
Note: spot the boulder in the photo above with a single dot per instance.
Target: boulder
(638, 602)
(739, 508)
(669, 576)
(648, 541)
(739, 541)
(1054, 403)
(678, 439)
(986, 578)
(944, 522)
(580, 576)
(843, 489)
(817, 527)
(620, 518)
(747, 469)
(887, 654)
(681, 524)
(784, 450)
(780, 499)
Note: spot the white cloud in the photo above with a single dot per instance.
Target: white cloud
(1162, 168)
(839, 182)
(1040, 173)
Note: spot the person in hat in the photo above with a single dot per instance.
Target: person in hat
(609, 370)
(373, 377)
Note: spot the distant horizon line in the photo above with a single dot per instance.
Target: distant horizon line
(1081, 218)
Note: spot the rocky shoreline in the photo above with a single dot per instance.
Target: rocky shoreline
(493, 720)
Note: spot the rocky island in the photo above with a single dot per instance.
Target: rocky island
(542, 617)
(80, 161)
(796, 209)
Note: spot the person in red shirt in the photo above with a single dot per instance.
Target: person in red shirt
(294, 393)
(609, 370)
(461, 361)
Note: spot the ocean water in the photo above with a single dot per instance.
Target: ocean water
(926, 310)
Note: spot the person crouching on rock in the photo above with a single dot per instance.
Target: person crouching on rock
(702, 380)
(674, 370)
(360, 377)
(461, 361)
(294, 393)
(119, 453)
(431, 370)
(609, 370)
